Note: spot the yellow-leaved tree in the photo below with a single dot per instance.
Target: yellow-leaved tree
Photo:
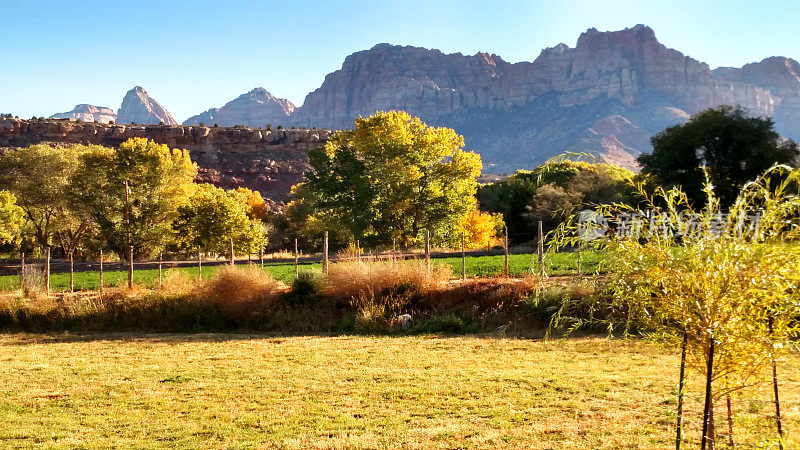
(391, 178)
(480, 229)
(132, 193)
(722, 283)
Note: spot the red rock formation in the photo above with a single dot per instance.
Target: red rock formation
(267, 161)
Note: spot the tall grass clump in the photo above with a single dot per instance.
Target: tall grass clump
(381, 291)
(349, 280)
(721, 285)
(243, 295)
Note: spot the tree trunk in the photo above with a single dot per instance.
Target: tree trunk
(775, 388)
(730, 420)
(708, 411)
(679, 436)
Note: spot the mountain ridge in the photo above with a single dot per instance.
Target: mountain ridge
(606, 96)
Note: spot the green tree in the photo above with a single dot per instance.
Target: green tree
(41, 176)
(392, 177)
(552, 191)
(213, 216)
(11, 217)
(735, 148)
(158, 180)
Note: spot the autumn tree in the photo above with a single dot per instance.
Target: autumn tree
(41, 176)
(11, 217)
(133, 193)
(212, 217)
(256, 206)
(721, 282)
(479, 229)
(391, 178)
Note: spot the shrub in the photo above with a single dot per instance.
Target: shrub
(241, 294)
(306, 289)
(349, 280)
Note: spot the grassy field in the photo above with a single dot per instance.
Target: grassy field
(477, 266)
(245, 391)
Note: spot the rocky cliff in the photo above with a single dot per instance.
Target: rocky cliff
(88, 113)
(606, 95)
(267, 161)
(138, 107)
(255, 108)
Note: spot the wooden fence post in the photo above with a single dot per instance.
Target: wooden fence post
(130, 267)
(232, 255)
(22, 272)
(295, 258)
(71, 273)
(505, 250)
(47, 269)
(101, 272)
(428, 250)
(540, 250)
(463, 259)
(325, 254)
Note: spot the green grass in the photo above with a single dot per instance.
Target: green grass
(252, 391)
(477, 266)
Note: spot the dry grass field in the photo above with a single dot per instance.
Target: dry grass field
(255, 391)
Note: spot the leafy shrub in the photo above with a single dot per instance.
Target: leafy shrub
(306, 289)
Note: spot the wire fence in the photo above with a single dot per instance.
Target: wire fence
(44, 267)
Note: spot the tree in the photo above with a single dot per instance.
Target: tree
(479, 228)
(213, 216)
(552, 191)
(735, 148)
(158, 180)
(11, 217)
(723, 283)
(41, 177)
(256, 206)
(391, 178)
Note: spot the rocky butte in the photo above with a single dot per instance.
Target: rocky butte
(138, 107)
(606, 96)
(256, 108)
(266, 161)
(88, 113)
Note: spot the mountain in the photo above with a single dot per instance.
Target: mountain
(138, 107)
(255, 108)
(607, 95)
(88, 113)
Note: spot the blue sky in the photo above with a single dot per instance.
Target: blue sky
(195, 55)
